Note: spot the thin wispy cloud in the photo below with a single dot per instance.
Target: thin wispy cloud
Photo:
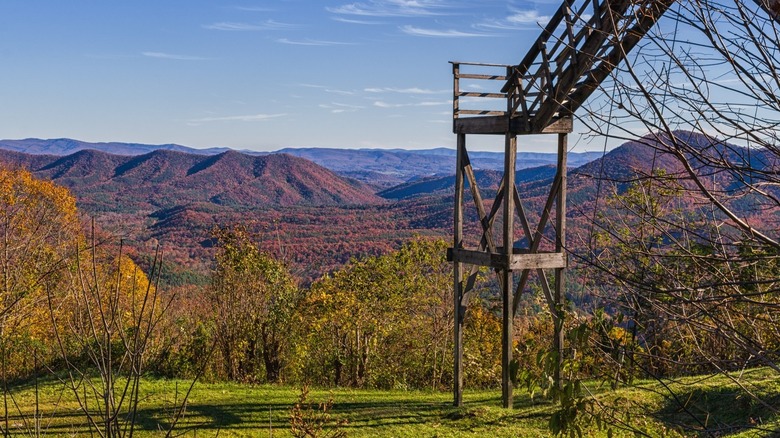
(310, 42)
(394, 8)
(518, 20)
(312, 86)
(342, 92)
(413, 90)
(351, 21)
(163, 55)
(338, 108)
(248, 27)
(328, 89)
(450, 33)
(243, 118)
(382, 104)
(527, 17)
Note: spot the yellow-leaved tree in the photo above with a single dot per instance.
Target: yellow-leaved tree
(38, 223)
(63, 295)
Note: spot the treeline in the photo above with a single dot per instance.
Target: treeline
(380, 322)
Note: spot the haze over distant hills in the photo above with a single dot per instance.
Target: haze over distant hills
(382, 168)
(396, 166)
(67, 146)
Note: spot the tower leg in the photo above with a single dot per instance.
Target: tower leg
(507, 344)
(560, 243)
(457, 375)
(507, 341)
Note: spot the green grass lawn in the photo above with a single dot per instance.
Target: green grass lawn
(232, 410)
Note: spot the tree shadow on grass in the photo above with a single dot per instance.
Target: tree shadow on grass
(477, 412)
(416, 410)
(720, 412)
(208, 417)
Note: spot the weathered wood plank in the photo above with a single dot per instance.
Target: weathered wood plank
(482, 112)
(476, 94)
(515, 262)
(482, 77)
(496, 125)
(544, 260)
(479, 258)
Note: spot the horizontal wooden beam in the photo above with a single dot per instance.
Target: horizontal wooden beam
(480, 64)
(539, 260)
(476, 94)
(483, 77)
(479, 258)
(500, 125)
(481, 113)
(515, 262)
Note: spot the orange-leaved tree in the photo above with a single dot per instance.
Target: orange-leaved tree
(38, 221)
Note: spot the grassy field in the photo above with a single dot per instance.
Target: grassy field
(233, 410)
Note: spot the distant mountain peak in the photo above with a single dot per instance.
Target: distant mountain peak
(67, 146)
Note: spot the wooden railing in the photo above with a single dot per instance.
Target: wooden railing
(494, 76)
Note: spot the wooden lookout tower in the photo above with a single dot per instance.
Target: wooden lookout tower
(575, 53)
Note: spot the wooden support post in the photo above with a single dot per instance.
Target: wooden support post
(560, 244)
(457, 376)
(510, 158)
(455, 98)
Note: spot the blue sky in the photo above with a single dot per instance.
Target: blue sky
(259, 75)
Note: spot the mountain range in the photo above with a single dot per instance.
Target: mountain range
(317, 218)
(67, 146)
(382, 168)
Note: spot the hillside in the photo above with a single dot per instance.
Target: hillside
(727, 168)
(312, 217)
(164, 179)
(487, 180)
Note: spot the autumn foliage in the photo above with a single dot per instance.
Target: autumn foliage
(38, 227)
